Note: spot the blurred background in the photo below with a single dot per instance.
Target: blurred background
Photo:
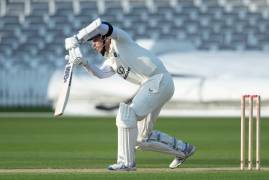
(216, 50)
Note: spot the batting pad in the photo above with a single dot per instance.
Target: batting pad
(162, 142)
(127, 135)
(126, 117)
(126, 145)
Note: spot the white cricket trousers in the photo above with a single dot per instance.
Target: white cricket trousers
(149, 100)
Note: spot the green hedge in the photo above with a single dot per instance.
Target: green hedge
(26, 109)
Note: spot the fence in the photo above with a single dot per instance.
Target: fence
(24, 88)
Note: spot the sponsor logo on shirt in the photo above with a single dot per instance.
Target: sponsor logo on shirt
(123, 71)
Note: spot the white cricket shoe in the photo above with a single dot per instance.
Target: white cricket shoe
(189, 150)
(121, 167)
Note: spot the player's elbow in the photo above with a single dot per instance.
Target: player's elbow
(100, 76)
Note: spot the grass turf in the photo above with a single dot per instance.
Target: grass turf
(148, 176)
(91, 143)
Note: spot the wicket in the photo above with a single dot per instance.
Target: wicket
(250, 99)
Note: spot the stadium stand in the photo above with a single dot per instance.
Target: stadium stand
(32, 32)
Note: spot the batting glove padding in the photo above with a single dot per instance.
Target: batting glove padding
(76, 57)
(71, 42)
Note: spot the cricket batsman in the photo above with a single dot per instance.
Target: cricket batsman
(135, 64)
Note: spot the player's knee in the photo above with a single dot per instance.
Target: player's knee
(126, 116)
(141, 142)
(140, 111)
(139, 145)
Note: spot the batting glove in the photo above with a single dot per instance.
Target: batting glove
(76, 57)
(71, 42)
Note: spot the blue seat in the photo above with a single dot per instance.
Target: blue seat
(39, 8)
(64, 8)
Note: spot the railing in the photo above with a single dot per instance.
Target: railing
(24, 88)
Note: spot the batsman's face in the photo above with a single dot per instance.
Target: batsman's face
(98, 44)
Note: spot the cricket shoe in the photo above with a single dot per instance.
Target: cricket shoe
(188, 151)
(121, 167)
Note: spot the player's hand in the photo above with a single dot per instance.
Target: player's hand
(68, 59)
(76, 57)
(71, 42)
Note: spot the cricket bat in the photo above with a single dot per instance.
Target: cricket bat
(65, 90)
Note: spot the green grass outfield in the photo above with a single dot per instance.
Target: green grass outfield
(74, 146)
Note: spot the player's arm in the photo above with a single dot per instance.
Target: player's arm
(101, 72)
(75, 57)
(94, 29)
(105, 29)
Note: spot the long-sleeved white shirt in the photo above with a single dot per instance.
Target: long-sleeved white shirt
(126, 58)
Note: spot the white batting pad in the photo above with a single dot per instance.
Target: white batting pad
(127, 134)
(162, 142)
(126, 117)
(126, 145)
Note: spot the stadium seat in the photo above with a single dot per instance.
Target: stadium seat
(39, 8)
(203, 23)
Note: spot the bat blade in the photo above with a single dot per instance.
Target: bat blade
(65, 90)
